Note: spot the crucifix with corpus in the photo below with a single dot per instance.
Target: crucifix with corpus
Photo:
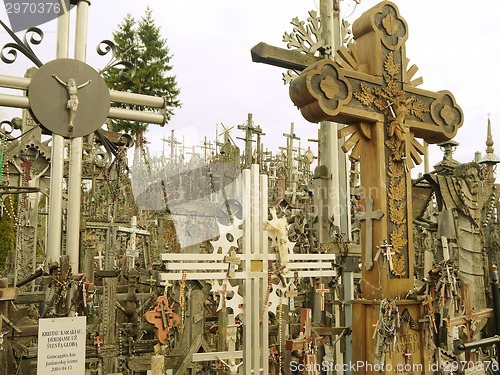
(371, 89)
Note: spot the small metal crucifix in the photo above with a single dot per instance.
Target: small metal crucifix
(233, 261)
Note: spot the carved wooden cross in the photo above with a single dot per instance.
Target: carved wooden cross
(367, 217)
(371, 89)
(468, 319)
(233, 261)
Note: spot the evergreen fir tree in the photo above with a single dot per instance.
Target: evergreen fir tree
(140, 43)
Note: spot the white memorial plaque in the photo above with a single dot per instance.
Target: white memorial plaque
(61, 345)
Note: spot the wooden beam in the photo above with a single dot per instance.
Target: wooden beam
(281, 57)
(8, 294)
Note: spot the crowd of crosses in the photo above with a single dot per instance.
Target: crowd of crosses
(217, 261)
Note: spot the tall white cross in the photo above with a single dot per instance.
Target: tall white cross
(134, 231)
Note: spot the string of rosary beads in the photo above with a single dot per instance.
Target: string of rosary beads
(182, 298)
(280, 333)
(268, 294)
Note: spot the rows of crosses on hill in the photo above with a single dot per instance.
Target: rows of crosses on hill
(70, 99)
(371, 90)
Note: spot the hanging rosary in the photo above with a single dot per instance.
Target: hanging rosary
(182, 298)
(385, 330)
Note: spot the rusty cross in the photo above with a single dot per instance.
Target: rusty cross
(468, 319)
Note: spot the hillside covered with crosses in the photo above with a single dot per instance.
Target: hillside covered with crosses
(242, 257)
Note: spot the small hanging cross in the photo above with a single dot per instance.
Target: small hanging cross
(152, 283)
(166, 284)
(233, 261)
(385, 248)
(322, 290)
(291, 294)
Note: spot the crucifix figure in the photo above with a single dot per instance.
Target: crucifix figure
(371, 89)
(322, 290)
(231, 365)
(233, 261)
(72, 103)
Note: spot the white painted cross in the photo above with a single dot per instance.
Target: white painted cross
(134, 231)
(252, 272)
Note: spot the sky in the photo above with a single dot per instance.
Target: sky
(453, 42)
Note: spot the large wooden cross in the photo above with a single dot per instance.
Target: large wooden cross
(371, 89)
(469, 319)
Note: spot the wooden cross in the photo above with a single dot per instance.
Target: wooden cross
(322, 290)
(172, 142)
(468, 319)
(367, 217)
(134, 231)
(97, 343)
(289, 150)
(372, 90)
(206, 146)
(249, 131)
(233, 261)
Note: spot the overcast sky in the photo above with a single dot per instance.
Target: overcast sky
(453, 42)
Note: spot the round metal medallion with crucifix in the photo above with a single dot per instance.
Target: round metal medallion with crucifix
(69, 98)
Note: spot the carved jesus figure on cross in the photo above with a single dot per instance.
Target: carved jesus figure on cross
(399, 109)
(72, 103)
(322, 290)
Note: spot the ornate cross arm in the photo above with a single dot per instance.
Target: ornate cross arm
(325, 91)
